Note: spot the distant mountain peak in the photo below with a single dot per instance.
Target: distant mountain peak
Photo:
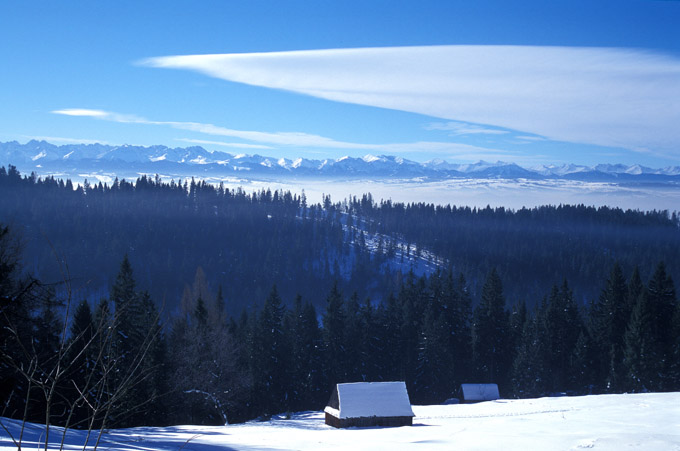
(130, 159)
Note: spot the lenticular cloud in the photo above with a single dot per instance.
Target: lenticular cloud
(606, 96)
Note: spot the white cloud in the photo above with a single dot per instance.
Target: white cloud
(104, 115)
(293, 139)
(81, 112)
(604, 96)
(280, 138)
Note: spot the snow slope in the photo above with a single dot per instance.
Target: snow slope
(604, 422)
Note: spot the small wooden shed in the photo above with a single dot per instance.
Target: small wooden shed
(365, 404)
(470, 393)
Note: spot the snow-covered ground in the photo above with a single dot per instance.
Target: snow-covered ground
(612, 422)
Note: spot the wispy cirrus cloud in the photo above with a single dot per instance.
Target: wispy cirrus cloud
(63, 140)
(294, 139)
(530, 138)
(208, 142)
(278, 138)
(463, 128)
(603, 96)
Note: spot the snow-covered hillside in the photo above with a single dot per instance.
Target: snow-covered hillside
(604, 422)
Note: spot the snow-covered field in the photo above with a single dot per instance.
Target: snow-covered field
(612, 422)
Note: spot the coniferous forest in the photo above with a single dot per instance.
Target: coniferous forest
(154, 303)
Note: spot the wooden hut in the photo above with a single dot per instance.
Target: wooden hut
(470, 393)
(365, 404)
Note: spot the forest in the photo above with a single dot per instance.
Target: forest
(129, 356)
(248, 242)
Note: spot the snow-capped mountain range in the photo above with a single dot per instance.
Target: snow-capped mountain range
(44, 158)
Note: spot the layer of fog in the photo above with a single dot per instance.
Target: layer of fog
(513, 194)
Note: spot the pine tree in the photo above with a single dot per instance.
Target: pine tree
(675, 365)
(208, 374)
(529, 372)
(460, 342)
(518, 318)
(641, 357)
(635, 289)
(432, 382)
(123, 290)
(388, 354)
(46, 341)
(154, 385)
(353, 340)
(662, 304)
(489, 339)
(306, 364)
(582, 363)
(561, 326)
(370, 331)
(334, 335)
(82, 360)
(608, 325)
(412, 302)
(137, 338)
(271, 371)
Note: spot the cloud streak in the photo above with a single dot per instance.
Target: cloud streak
(603, 96)
(62, 140)
(462, 128)
(224, 144)
(292, 139)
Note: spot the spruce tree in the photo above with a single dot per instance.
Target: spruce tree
(489, 339)
(583, 363)
(608, 325)
(636, 289)
(432, 382)
(412, 302)
(529, 373)
(154, 385)
(662, 304)
(641, 358)
(334, 336)
(81, 358)
(306, 365)
(561, 326)
(371, 337)
(353, 340)
(518, 318)
(136, 343)
(46, 343)
(675, 365)
(460, 342)
(271, 372)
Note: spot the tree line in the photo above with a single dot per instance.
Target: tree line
(252, 241)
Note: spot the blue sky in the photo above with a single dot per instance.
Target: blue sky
(531, 82)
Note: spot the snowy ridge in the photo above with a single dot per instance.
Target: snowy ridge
(186, 160)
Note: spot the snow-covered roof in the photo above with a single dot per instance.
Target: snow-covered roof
(479, 392)
(370, 399)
